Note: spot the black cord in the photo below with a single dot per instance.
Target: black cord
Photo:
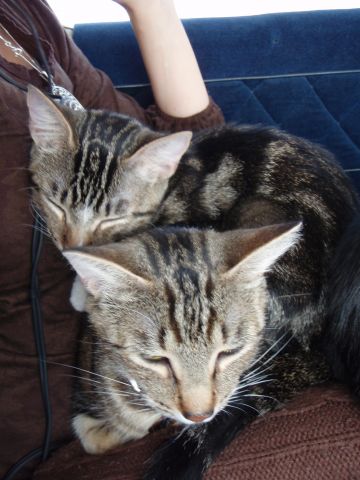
(20, 86)
(32, 455)
(6, 77)
(17, 467)
(37, 241)
(42, 57)
(43, 452)
(42, 60)
(37, 320)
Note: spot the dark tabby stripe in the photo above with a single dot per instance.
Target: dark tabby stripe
(104, 140)
(171, 299)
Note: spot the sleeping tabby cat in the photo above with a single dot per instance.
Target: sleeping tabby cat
(193, 310)
(177, 316)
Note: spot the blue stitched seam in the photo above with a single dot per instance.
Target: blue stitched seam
(347, 135)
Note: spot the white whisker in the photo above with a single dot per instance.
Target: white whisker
(91, 373)
(82, 378)
(135, 311)
(139, 404)
(236, 408)
(183, 430)
(268, 350)
(295, 295)
(262, 396)
(44, 231)
(253, 384)
(108, 392)
(256, 374)
(245, 405)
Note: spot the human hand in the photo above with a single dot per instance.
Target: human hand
(140, 5)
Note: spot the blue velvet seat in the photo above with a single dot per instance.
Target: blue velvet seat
(299, 71)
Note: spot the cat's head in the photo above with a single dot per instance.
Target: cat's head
(181, 312)
(98, 175)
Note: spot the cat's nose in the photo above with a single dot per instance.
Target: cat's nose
(73, 239)
(197, 417)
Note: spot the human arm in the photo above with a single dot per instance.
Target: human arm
(175, 77)
(94, 89)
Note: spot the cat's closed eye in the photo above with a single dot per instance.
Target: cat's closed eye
(111, 222)
(55, 208)
(228, 353)
(159, 364)
(156, 359)
(225, 357)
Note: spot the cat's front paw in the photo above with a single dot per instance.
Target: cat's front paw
(96, 437)
(78, 295)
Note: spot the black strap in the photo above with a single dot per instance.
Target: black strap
(42, 59)
(37, 320)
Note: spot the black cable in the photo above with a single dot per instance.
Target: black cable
(36, 247)
(42, 57)
(32, 455)
(6, 77)
(37, 320)
(20, 86)
(43, 452)
(37, 241)
(16, 468)
(42, 60)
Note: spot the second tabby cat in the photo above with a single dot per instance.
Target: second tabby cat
(182, 326)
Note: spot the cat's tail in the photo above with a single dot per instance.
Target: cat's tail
(342, 332)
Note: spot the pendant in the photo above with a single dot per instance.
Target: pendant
(66, 98)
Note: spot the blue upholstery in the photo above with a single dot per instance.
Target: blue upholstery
(299, 71)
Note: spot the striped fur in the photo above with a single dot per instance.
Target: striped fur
(80, 185)
(111, 177)
(100, 176)
(176, 317)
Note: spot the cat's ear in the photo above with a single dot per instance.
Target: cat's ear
(48, 126)
(159, 159)
(100, 276)
(252, 252)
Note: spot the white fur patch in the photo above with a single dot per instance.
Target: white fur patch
(95, 435)
(78, 295)
(135, 385)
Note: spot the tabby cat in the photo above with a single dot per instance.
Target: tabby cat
(100, 177)
(176, 317)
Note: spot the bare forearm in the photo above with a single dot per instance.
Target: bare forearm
(174, 74)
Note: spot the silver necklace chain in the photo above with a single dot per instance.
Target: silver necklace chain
(19, 52)
(64, 97)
